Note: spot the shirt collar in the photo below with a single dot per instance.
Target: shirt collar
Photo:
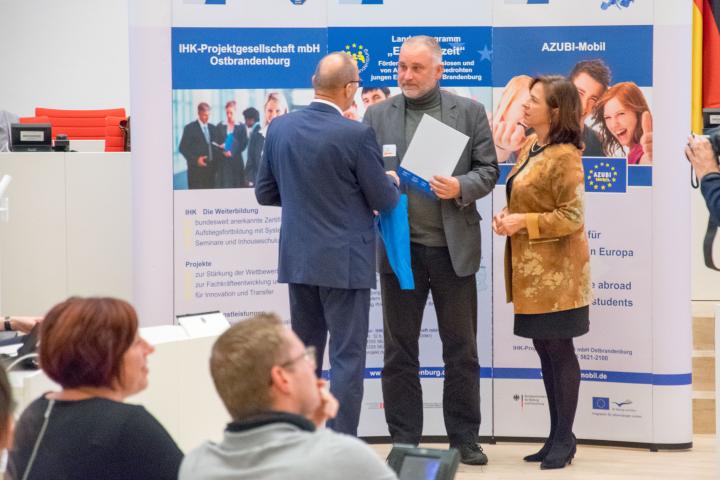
(267, 418)
(326, 102)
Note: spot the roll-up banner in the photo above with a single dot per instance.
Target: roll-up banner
(238, 59)
(373, 34)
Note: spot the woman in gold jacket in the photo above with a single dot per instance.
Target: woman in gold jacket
(547, 260)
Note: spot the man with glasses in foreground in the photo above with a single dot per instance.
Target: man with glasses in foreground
(266, 378)
(327, 173)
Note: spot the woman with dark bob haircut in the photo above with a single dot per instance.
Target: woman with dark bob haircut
(547, 259)
(91, 347)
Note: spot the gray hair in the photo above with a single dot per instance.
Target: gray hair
(334, 71)
(428, 42)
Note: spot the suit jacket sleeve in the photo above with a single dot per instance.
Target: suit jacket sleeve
(186, 148)
(567, 186)
(379, 189)
(266, 187)
(710, 188)
(240, 139)
(484, 171)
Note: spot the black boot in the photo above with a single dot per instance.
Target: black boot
(561, 454)
(540, 455)
(549, 383)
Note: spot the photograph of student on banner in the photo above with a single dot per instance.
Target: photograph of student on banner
(275, 105)
(198, 145)
(508, 129)
(590, 77)
(230, 155)
(233, 137)
(625, 123)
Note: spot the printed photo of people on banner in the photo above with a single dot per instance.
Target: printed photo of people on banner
(617, 121)
(219, 134)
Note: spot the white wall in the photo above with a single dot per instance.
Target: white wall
(63, 54)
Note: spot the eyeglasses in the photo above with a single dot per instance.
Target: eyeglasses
(308, 354)
(359, 83)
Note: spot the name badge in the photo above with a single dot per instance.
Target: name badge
(389, 151)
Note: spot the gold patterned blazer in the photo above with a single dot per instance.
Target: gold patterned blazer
(547, 266)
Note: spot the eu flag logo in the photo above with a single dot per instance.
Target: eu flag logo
(601, 403)
(605, 175)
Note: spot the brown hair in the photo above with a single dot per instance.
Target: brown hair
(596, 69)
(203, 107)
(231, 104)
(83, 341)
(563, 99)
(241, 361)
(633, 99)
(6, 407)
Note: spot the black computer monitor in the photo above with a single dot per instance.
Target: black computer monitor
(413, 463)
(31, 137)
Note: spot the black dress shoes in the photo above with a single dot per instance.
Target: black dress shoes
(472, 454)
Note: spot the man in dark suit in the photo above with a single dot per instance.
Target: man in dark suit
(255, 144)
(327, 173)
(444, 249)
(196, 145)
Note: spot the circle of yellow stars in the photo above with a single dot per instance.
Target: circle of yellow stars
(604, 183)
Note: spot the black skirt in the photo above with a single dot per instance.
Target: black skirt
(554, 325)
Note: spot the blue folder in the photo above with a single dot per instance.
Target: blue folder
(394, 228)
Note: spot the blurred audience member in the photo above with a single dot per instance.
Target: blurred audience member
(266, 378)
(91, 347)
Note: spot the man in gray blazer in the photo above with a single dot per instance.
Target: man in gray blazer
(445, 253)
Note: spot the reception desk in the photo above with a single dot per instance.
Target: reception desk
(68, 231)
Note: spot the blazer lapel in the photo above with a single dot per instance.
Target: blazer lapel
(449, 110)
(396, 116)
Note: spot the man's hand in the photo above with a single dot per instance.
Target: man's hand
(646, 141)
(445, 188)
(227, 153)
(701, 156)
(393, 174)
(202, 161)
(328, 407)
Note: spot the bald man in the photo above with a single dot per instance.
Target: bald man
(327, 173)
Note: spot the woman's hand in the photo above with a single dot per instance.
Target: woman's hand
(497, 221)
(512, 223)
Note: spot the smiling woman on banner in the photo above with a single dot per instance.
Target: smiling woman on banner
(91, 347)
(547, 260)
(625, 123)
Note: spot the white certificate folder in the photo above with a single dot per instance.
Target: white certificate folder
(434, 150)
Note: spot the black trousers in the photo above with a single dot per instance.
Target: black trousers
(455, 301)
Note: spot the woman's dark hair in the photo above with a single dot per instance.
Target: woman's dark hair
(83, 341)
(563, 100)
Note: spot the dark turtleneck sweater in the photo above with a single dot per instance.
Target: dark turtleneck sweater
(426, 226)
